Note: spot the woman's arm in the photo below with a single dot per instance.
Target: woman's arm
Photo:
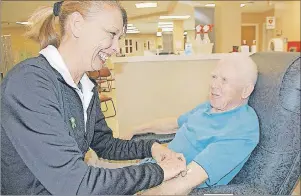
(108, 147)
(33, 122)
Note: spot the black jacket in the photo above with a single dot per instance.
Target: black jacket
(42, 151)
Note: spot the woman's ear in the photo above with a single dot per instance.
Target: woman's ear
(248, 89)
(76, 22)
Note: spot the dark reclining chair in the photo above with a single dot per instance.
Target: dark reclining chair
(274, 165)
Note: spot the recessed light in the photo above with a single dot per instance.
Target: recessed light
(175, 17)
(210, 5)
(146, 5)
(242, 5)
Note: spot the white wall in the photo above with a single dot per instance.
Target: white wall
(227, 26)
(149, 90)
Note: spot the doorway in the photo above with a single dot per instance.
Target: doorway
(249, 32)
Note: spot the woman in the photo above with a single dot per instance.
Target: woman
(51, 115)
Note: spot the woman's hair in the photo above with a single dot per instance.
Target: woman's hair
(42, 27)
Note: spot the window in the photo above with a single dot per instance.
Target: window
(128, 46)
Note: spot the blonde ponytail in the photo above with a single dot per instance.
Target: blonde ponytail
(42, 21)
(42, 27)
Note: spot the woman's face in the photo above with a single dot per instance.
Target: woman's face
(98, 37)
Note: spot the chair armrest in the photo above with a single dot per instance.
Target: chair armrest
(235, 189)
(162, 138)
(158, 126)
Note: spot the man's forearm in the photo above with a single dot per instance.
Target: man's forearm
(174, 186)
(160, 125)
(181, 185)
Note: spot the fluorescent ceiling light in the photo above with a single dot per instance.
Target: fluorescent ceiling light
(129, 25)
(162, 26)
(210, 5)
(242, 5)
(159, 34)
(23, 23)
(146, 5)
(175, 17)
(131, 28)
(133, 32)
(165, 24)
(167, 29)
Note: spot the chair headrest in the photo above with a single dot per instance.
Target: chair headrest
(276, 100)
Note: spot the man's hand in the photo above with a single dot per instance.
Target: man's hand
(172, 163)
(172, 167)
(160, 152)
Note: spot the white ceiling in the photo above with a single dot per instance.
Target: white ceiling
(12, 11)
(132, 11)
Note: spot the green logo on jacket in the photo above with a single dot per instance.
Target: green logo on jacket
(72, 121)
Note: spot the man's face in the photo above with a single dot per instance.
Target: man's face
(226, 87)
(99, 37)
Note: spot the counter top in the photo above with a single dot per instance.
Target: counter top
(157, 58)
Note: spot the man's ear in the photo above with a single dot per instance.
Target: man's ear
(76, 22)
(248, 89)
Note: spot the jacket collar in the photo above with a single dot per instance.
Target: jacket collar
(56, 61)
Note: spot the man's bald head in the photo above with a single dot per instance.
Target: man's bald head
(243, 65)
(233, 81)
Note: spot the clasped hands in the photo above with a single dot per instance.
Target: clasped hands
(172, 163)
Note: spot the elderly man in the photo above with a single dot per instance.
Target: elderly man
(218, 136)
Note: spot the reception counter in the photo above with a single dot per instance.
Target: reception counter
(152, 87)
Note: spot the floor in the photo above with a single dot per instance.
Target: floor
(112, 122)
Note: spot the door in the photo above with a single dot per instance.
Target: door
(248, 33)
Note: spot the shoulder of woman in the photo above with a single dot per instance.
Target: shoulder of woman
(30, 73)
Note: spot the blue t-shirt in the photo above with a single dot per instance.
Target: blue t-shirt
(219, 142)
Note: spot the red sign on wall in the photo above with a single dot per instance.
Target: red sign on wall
(293, 46)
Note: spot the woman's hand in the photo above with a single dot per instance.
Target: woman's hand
(171, 162)
(160, 152)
